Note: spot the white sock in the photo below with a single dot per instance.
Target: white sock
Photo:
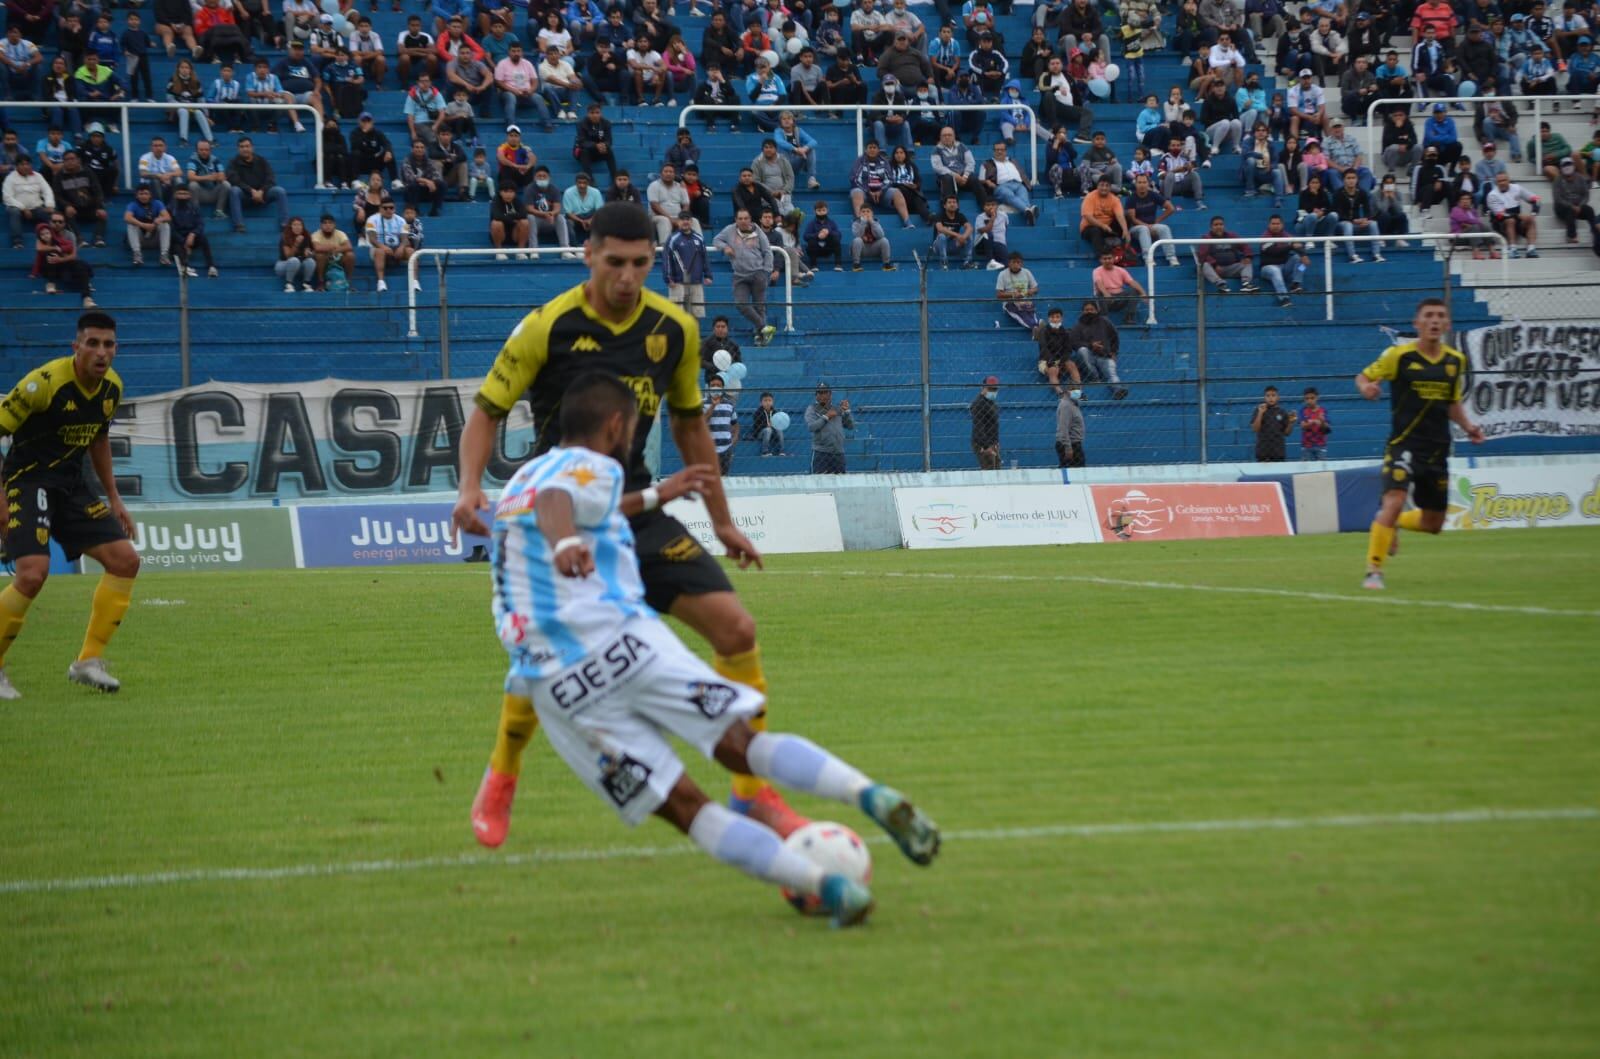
(753, 848)
(795, 761)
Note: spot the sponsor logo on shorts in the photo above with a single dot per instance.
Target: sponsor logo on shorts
(682, 549)
(623, 777)
(712, 700)
(603, 669)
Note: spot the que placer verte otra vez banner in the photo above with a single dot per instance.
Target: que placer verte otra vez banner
(1535, 379)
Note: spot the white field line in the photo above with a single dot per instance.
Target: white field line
(995, 834)
(1380, 598)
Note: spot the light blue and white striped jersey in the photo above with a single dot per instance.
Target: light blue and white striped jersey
(546, 621)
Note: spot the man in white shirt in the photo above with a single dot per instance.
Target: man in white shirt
(1223, 58)
(1003, 180)
(1512, 210)
(866, 31)
(21, 59)
(386, 241)
(27, 197)
(560, 82)
(667, 199)
(1306, 104)
(415, 45)
(159, 171)
(368, 49)
(518, 82)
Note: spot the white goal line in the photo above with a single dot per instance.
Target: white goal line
(389, 866)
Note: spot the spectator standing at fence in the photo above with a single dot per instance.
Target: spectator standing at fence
(827, 425)
(1015, 287)
(823, 239)
(750, 256)
(1571, 194)
(1314, 427)
(1095, 344)
(1283, 261)
(985, 414)
(1069, 427)
(723, 421)
(1512, 209)
(189, 233)
(686, 267)
(1222, 258)
(1272, 424)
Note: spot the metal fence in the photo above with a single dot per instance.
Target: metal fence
(911, 365)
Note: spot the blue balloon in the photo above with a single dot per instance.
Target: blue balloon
(1100, 88)
(1467, 88)
(342, 25)
(330, 7)
(780, 421)
(738, 369)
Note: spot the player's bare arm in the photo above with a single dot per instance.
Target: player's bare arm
(1368, 389)
(693, 438)
(1458, 416)
(477, 442)
(689, 480)
(100, 460)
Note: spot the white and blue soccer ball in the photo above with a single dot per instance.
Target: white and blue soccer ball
(836, 850)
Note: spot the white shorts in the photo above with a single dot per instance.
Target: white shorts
(609, 716)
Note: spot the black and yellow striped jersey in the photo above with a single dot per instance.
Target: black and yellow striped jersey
(1421, 391)
(52, 420)
(655, 351)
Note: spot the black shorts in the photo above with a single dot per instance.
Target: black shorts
(69, 512)
(1425, 471)
(673, 563)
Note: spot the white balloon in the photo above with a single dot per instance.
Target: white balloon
(1113, 71)
(794, 46)
(771, 57)
(721, 358)
(780, 421)
(738, 369)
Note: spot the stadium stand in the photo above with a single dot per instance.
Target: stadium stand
(861, 332)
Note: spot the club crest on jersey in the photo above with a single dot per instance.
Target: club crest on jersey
(1450, 370)
(108, 406)
(41, 534)
(585, 344)
(655, 347)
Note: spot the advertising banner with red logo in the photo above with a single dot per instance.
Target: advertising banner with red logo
(986, 516)
(1190, 511)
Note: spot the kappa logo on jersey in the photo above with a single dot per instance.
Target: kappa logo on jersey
(623, 778)
(712, 700)
(585, 344)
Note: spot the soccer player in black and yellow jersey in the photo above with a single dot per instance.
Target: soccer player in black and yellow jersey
(612, 323)
(58, 412)
(1426, 382)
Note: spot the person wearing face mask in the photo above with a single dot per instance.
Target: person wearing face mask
(1055, 350)
(1095, 343)
(985, 413)
(1069, 427)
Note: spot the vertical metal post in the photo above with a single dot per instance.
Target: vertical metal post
(1327, 280)
(1201, 403)
(444, 316)
(927, 397)
(183, 328)
(127, 147)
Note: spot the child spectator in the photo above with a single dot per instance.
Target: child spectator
(761, 425)
(1314, 427)
(135, 44)
(478, 174)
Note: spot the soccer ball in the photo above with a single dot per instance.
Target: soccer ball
(835, 849)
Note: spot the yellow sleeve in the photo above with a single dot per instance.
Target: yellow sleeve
(525, 352)
(1385, 366)
(31, 395)
(683, 391)
(1460, 389)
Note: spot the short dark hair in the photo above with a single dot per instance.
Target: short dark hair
(96, 320)
(1270, 389)
(591, 400)
(715, 320)
(1435, 302)
(621, 220)
(1311, 391)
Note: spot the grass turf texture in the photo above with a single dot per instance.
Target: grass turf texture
(316, 717)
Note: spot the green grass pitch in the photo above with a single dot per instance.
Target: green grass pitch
(317, 719)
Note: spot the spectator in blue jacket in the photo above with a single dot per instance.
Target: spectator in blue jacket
(823, 238)
(799, 147)
(686, 267)
(989, 68)
(1439, 132)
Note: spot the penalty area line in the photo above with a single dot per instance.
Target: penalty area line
(1183, 586)
(391, 866)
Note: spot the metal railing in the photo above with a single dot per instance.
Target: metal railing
(1375, 132)
(1327, 242)
(861, 109)
(314, 130)
(444, 253)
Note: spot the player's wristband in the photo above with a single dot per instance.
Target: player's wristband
(564, 543)
(649, 498)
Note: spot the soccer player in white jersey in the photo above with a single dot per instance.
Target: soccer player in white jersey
(610, 681)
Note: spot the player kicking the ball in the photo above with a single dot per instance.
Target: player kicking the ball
(609, 681)
(613, 323)
(1426, 382)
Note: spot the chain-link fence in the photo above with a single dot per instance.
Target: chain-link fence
(910, 351)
